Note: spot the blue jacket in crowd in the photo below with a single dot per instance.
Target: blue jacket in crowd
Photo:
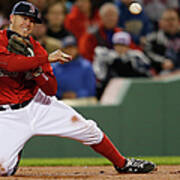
(137, 25)
(76, 76)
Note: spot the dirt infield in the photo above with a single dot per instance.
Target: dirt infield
(93, 173)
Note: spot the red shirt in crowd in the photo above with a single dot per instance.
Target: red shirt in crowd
(78, 23)
(89, 41)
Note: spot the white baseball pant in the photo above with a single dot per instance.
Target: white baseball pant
(44, 115)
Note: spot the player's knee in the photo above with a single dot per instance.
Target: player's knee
(8, 168)
(93, 134)
(4, 171)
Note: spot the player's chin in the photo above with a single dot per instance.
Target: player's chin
(26, 33)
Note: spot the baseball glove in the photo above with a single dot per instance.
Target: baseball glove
(20, 45)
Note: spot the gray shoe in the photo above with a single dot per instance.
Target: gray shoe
(136, 166)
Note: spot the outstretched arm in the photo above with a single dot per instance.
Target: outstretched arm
(19, 63)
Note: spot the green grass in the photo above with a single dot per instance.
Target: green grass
(92, 161)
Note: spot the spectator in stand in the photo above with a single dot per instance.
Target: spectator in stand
(68, 3)
(3, 20)
(40, 4)
(130, 62)
(75, 79)
(101, 36)
(49, 43)
(55, 20)
(120, 62)
(158, 7)
(137, 25)
(163, 46)
(82, 18)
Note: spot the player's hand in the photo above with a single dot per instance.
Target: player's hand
(58, 55)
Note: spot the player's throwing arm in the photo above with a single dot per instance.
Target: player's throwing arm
(58, 55)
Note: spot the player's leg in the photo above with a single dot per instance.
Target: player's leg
(121, 164)
(61, 120)
(14, 169)
(14, 132)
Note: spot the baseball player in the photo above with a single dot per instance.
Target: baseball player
(27, 105)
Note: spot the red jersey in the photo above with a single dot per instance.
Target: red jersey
(15, 85)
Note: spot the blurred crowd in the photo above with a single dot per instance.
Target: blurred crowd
(106, 41)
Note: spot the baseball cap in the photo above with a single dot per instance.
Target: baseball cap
(27, 9)
(122, 37)
(69, 41)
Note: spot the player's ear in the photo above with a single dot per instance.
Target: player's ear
(11, 17)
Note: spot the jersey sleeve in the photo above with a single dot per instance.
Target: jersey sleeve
(19, 63)
(46, 81)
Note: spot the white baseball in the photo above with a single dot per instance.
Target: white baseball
(135, 8)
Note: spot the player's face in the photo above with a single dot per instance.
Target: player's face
(22, 25)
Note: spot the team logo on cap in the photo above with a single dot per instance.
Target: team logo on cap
(32, 9)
